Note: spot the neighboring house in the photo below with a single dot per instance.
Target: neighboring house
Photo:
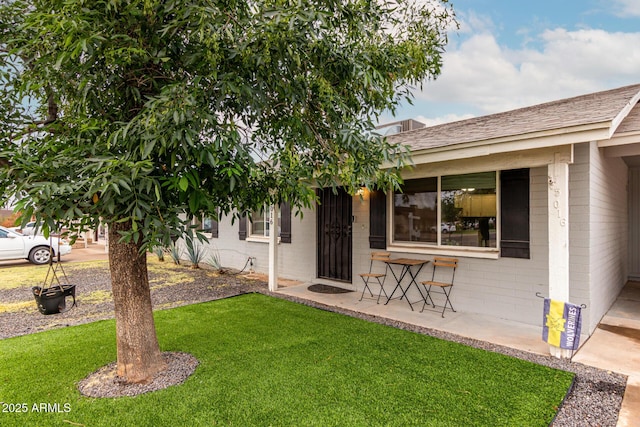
(544, 199)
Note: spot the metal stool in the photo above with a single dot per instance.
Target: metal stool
(379, 277)
(446, 285)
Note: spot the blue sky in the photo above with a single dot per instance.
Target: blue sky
(511, 53)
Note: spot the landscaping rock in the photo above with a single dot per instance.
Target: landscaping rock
(106, 383)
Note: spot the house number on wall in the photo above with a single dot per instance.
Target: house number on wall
(556, 204)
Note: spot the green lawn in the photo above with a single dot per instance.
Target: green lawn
(270, 362)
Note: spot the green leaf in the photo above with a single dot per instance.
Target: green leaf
(148, 148)
(183, 183)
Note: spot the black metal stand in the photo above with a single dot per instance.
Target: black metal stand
(51, 296)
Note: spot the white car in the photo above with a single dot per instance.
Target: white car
(30, 228)
(33, 248)
(445, 227)
(448, 227)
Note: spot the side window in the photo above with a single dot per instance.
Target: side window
(207, 225)
(259, 227)
(415, 212)
(260, 223)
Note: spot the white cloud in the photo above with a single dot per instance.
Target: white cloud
(444, 119)
(493, 78)
(626, 8)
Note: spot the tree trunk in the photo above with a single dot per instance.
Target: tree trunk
(139, 356)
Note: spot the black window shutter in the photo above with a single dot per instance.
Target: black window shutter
(514, 213)
(242, 228)
(285, 222)
(214, 229)
(377, 220)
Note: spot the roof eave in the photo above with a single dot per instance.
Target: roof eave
(549, 138)
(624, 113)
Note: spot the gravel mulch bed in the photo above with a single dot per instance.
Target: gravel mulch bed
(594, 400)
(93, 294)
(106, 383)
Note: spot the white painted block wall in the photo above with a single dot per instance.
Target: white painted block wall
(296, 260)
(609, 231)
(506, 287)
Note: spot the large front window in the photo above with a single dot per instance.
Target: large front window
(452, 210)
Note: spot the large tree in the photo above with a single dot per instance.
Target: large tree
(145, 113)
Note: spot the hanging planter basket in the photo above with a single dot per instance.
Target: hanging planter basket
(51, 297)
(54, 300)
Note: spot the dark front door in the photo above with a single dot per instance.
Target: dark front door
(334, 235)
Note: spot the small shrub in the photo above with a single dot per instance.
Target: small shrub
(176, 253)
(159, 251)
(214, 260)
(195, 251)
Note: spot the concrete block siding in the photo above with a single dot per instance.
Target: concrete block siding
(504, 287)
(296, 260)
(608, 225)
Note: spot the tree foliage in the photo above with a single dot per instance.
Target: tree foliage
(142, 111)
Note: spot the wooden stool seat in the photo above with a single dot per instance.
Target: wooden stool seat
(440, 267)
(366, 277)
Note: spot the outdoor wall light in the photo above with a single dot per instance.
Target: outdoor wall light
(362, 193)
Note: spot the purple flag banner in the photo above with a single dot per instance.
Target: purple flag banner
(561, 324)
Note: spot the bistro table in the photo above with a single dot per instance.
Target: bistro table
(408, 266)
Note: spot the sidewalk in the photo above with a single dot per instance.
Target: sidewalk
(93, 251)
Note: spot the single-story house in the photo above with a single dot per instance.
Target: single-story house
(539, 200)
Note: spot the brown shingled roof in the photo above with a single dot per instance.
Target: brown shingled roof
(631, 123)
(599, 107)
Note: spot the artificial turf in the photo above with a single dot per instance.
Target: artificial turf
(270, 362)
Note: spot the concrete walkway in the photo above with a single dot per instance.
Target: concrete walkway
(614, 346)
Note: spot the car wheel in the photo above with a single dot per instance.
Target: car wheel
(40, 255)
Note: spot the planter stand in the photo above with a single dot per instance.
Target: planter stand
(52, 295)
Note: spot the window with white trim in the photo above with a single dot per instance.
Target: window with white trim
(260, 223)
(206, 225)
(451, 210)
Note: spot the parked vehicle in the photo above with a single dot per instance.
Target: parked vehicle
(36, 249)
(30, 229)
(448, 227)
(445, 227)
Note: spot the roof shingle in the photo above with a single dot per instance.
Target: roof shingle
(599, 107)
